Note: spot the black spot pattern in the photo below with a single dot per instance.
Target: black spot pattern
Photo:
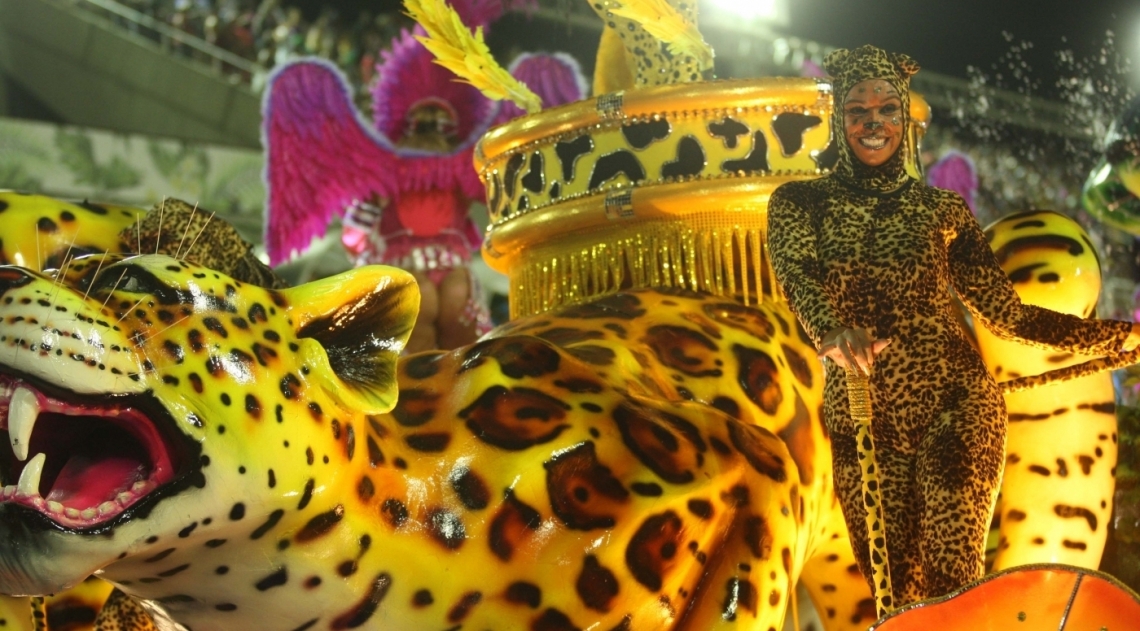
(597, 586)
(517, 418)
(611, 165)
(653, 548)
(642, 134)
(513, 524)
(756, 161)
(690, 160)
(584, 493)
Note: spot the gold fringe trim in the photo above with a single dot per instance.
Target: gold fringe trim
(707, 252)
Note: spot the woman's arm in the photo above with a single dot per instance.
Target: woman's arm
(989, 295)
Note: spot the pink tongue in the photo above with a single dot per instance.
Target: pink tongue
(85, 484)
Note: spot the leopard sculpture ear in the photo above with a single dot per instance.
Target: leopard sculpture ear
(836, 61)
(360, 321)
(907, 67)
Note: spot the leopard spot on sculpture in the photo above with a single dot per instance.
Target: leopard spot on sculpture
(446, 528)
(415, 407)
(463, 607)
(583, 492)
(592, 354)
(669, 445)
(748, 319)
(518, 356)
(553, 620)
(470, 488)
(683, 349)
(798, 436)
(359, 614)
(597, 586)
(524, 593)
(758, 376)
(760, 448)
(515, 418)
(567, 336)
(423, 366)
(652, 551)
(514, 523)
(624, 306)
(758, 537)
(739, 594)
(801, 370)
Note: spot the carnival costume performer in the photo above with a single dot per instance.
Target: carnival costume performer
(868, 258)
(403, 183)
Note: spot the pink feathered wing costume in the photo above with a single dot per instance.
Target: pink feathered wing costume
(401, 205)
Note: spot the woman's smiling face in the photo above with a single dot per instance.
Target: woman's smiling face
(872, 121)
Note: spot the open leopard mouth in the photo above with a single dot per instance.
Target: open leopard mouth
(81, 464)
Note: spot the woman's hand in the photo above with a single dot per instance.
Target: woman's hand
(854, 349)
(1133, 339)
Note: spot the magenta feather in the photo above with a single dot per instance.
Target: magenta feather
(956, 172)
(321, 156)
(408, 75)
(555, 77)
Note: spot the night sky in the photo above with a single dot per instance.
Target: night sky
(947, 36)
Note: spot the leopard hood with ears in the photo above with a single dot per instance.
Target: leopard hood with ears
(847, 68)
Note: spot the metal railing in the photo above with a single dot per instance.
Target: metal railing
(173, 40)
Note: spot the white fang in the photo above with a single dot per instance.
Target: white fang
(22, 412)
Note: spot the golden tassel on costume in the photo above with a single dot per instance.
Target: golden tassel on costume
(703, 253)
(668, 26)
(859, 403)
(459, 50)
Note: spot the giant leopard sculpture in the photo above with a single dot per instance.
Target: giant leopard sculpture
(648, 459)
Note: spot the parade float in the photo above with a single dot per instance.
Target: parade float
(640, 447)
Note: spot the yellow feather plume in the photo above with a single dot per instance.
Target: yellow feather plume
(459, 50)
(667, 25)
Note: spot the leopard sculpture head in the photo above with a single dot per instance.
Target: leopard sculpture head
(156, 409)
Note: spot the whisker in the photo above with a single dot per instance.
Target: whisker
(200, 232)
(158, 239)
(59, 279)
(172, 324)
(110, 293)
(185, 229)
(128, 311)
(94, 276)
(138, 232)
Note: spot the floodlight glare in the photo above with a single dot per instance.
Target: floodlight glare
(765, 10)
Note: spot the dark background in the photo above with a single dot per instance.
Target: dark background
(950, 36)
(945, 36)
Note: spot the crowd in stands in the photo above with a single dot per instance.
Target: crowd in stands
(269, 32)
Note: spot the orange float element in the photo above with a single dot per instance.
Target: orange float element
(1044, 597)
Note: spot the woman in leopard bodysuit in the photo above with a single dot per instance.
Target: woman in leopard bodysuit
(867, 258)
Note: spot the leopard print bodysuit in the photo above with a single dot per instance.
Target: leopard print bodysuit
(873, 248)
